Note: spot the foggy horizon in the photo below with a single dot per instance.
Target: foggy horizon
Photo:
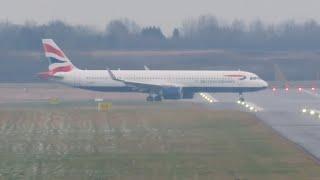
(166, 31)
(165, 14)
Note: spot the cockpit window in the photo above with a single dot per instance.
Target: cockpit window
(254, 78)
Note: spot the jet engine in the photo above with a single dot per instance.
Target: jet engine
(172, 93)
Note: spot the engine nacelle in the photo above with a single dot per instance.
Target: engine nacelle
(188, 95)
(172, 93)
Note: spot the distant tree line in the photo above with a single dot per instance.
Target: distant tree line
(205, 32)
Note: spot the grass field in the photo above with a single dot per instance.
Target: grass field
(145, 142)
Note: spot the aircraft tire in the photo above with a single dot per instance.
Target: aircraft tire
(158, 98)
(149, 99)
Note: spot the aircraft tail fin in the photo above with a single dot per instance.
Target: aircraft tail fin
(58, 61)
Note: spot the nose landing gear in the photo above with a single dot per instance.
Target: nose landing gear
(241, 98)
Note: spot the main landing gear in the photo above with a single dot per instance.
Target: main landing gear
(154, 97)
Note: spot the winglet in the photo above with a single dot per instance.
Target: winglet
(146, 68)
(113, 77)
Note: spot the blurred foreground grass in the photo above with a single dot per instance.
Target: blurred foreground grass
(145, 142)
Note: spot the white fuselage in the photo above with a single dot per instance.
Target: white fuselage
(195, 81)
(158, 84)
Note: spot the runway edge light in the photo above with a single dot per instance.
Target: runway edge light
(312, 112)
(304, 110)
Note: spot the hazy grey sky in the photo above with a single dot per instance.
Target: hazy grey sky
(165, 13)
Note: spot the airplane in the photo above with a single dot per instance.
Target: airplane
(158, 84)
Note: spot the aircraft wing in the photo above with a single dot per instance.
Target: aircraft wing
(144, 84)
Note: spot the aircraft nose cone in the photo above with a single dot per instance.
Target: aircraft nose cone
(265, 84)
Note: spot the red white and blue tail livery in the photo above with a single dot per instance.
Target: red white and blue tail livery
(159, 84)
(58, 61)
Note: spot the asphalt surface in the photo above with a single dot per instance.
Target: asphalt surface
(281, 110)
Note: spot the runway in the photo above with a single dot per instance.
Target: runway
(282, 112)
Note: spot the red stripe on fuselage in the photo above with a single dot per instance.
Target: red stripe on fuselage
(50, 49)
(61, 69)
(49, 74)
